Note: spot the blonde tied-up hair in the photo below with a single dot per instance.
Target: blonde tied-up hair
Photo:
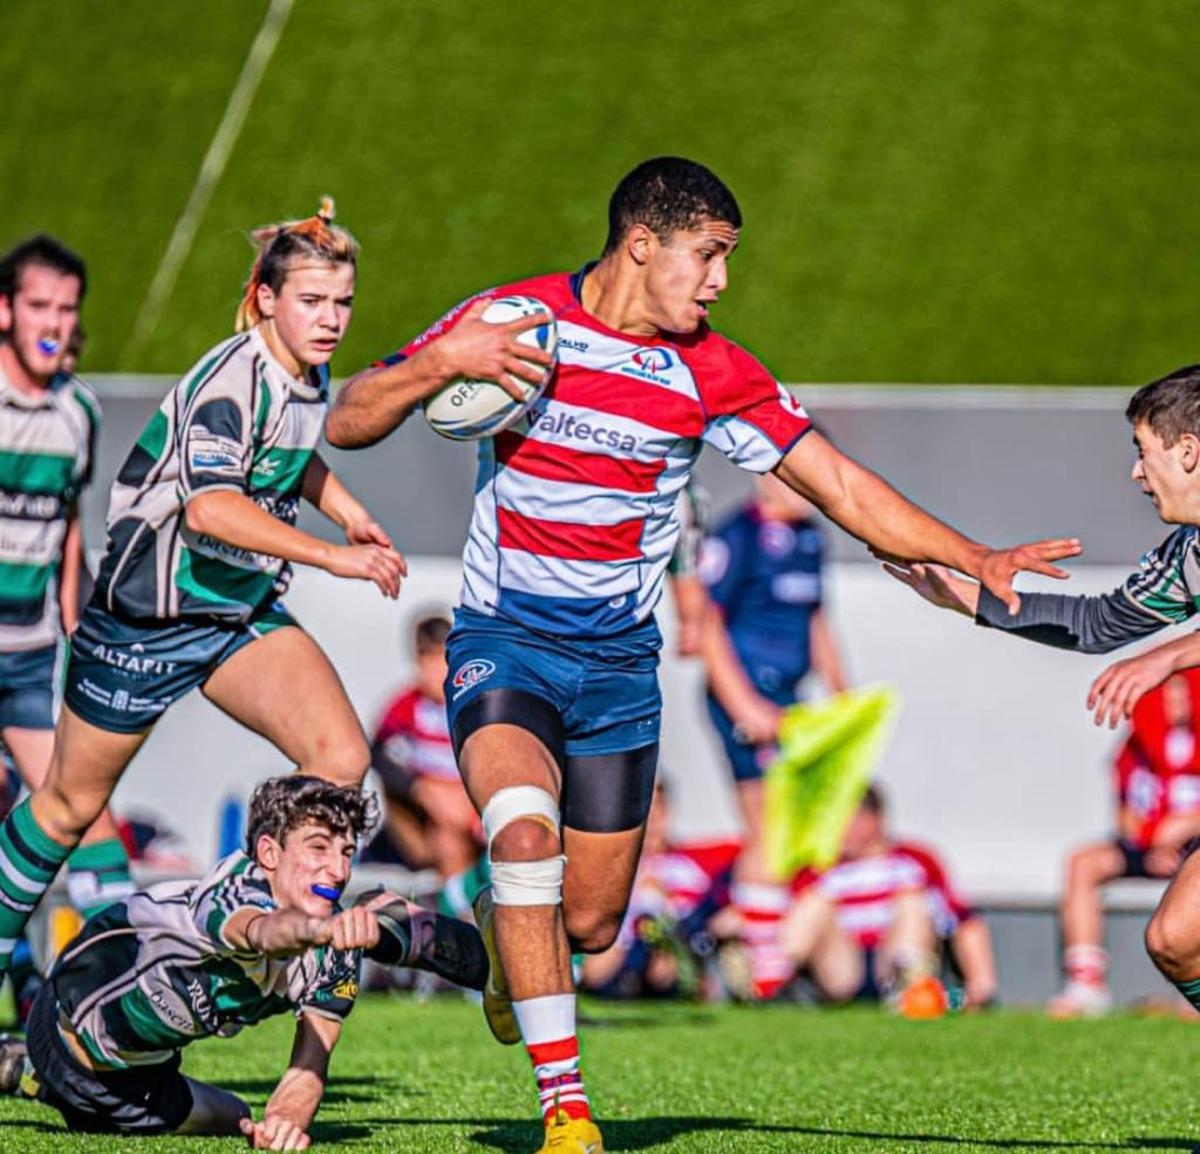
(316, 238)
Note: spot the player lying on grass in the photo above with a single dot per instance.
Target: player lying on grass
(201, 531)
(875, 922)
(1165, 590)
(553, 694)
(262, 934)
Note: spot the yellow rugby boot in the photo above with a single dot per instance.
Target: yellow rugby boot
(567, 1135)
(497, 1001)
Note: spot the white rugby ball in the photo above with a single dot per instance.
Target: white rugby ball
(467, 410)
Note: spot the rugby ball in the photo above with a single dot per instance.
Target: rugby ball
(467, 410)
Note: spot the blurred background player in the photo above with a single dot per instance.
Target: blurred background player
(262, 934)
(764, 571)
(429, 818)
(679, 887)
(49, 421)
(875, 923)
(683, 573)
(1158, 813)
(201, 532)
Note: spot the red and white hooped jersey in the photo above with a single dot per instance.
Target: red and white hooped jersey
(415, 734)
(574, 519)
(864, 891)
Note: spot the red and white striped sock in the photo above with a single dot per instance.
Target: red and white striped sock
(548, 1030)
(1086, 964)
(762, 907)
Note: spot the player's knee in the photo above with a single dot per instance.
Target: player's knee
(1172, 942)
(522, 827)
(343, 759)
(525, 839)
(592, 931)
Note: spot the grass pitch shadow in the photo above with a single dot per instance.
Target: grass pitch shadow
(642, 1133)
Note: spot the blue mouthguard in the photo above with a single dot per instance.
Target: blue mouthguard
(329, 893)
(47, 346)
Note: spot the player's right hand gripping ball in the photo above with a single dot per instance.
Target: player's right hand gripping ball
(467, 410)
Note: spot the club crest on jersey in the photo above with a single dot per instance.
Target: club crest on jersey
(650, 364)
(471, 674)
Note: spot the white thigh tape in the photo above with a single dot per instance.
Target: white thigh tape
(528, 883)
(516, 802)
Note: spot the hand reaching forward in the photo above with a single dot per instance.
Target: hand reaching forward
(999, 566)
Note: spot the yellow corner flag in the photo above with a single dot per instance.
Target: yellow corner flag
(827, 753)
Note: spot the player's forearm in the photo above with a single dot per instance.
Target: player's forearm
(69, 575)
(282, 932)
(1084, 624)
(234, 519)
(324, 490)
(297, 1097)
(868, 508)
(727, 679)
(377, 400)
(826, 656)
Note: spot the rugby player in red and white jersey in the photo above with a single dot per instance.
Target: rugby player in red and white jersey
(429, 816)
(553, 700)
(874, 922)
(1157, 778)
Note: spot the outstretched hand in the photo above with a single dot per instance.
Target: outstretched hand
(274, 1133)
(1000, 566)
(936, 584)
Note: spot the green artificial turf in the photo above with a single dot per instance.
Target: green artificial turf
(983, 190)
(412, 1077)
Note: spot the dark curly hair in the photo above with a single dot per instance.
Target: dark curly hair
(282, 804)
(1170, 405)
(668, 194)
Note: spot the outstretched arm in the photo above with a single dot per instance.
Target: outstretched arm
(1086, 624)
(867, 507)
(290, 931)
(374, 402)
(291, 1108)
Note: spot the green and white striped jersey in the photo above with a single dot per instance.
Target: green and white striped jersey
(47, 444)
(1167, 583)
(236, 421)
(150, 975)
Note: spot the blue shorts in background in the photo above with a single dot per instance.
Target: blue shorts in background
(29, 687)
(605, 691)
(748, 762)
(123, 675)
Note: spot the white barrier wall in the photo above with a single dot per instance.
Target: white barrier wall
(994, 760)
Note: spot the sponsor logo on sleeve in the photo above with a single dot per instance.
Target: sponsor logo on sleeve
(209, 453)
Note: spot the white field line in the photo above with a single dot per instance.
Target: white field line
(211, 169)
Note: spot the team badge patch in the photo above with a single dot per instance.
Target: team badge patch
(471, 674)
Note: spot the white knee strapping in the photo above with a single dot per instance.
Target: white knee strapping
(518, 801)
(528, 883)
(523, 883)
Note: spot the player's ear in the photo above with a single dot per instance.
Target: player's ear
(1189, 452)
(640, 243)
(265, 297)
(6, 313)
(267, 852)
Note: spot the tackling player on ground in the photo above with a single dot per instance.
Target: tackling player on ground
(1165, 590)
(553, 697)
(262, 934)
(201, 531)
